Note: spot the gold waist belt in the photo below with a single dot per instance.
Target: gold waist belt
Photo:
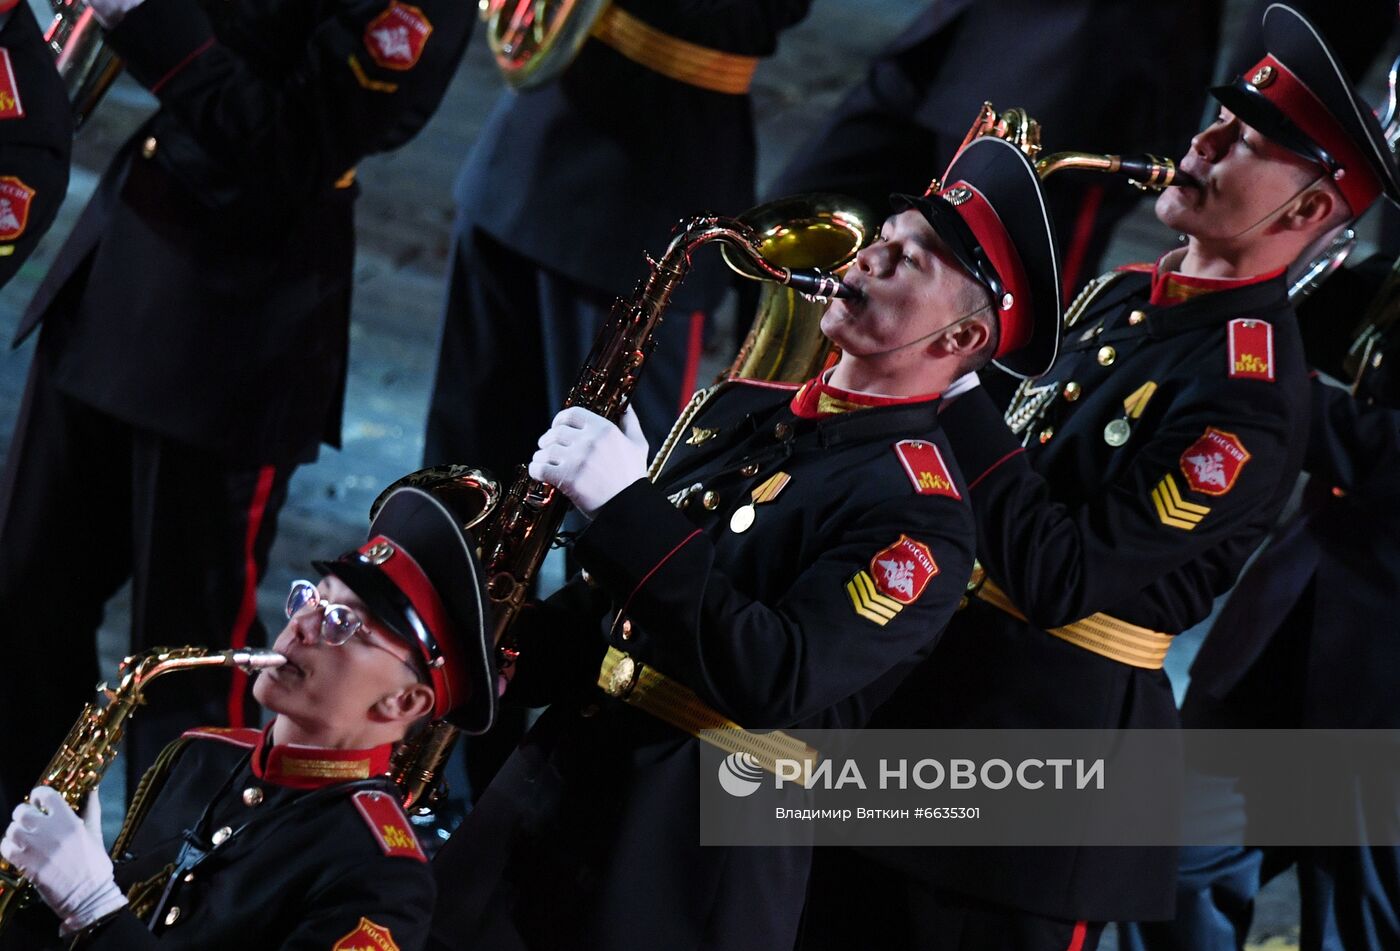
(1104, 635)
(676, 704)
(673, 57)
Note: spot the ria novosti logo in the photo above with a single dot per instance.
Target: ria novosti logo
(740, 775)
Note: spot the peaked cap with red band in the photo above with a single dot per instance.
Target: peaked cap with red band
(1299, 97)
(992, 216)
(418, 573)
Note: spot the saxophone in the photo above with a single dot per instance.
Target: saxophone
(91, 745)
(516, 528)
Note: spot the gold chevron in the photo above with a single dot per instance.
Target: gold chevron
(869, 602)
(1172, 509)
(1137, 402)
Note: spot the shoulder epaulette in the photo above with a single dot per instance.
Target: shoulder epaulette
(924, 465)
(243, 737)
(388, 824)
(1251, 349)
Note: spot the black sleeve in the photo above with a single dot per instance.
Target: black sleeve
(1351, 446)
(774, 664)
(366, 81)
(1060, 563)
(561, 647)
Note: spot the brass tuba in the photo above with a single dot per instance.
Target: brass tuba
(91, 745)
(535, 40)
(515, 527)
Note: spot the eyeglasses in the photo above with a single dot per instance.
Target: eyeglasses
(338, 622)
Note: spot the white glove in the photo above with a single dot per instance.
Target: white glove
(590, 459)
(962, 384)
(110, 12)
(63, 856)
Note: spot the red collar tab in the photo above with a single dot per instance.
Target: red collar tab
(1014, 310)
(818, 399)
(449, 673)
(1356, 179)
(309, 767)
(1170, 287)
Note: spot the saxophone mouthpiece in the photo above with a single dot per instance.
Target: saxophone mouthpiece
(820, 285)
(1154, 173)
(254, 659)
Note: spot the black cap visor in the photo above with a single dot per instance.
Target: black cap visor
(1255, 110)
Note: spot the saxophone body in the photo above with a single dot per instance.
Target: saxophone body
(517, 525)
(91, 745)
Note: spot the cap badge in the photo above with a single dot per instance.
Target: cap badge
(958, 196)
(377, 554)
(1262, 77)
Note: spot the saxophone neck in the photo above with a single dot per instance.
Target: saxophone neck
(1148, 172)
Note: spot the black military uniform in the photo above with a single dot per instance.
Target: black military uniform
(1092, 72)
(195, 334)
(794, 553)
(250, 845)
(36, 135)
(566, 188)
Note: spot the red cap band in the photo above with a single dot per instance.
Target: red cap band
(1016, 320)
(1358, 183)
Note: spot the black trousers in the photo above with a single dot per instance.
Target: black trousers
(87, 502)
(856, 902)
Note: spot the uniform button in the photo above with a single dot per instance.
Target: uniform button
(148, 147)
(189, 877)
(782, 431)
(220, 836)
(252, 796)
(172, 916)
(1047, 434)
(1338, 492)
(710, 500)
(1107, 355)
(1072, 391)
(626, 629)
(749, 470)
(1137, 317)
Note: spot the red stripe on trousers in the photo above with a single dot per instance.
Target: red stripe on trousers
(1079, 241)
(693, 348)
(1076, 938)
(248, 605)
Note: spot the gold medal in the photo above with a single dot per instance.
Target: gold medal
(1116, 433)
(742, 519)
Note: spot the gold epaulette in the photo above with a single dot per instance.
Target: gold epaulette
(1102, 634)
(652, 691)
(673, 57)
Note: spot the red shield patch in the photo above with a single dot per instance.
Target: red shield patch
(1212, 463)
(367, 936)
(903, 570)
(925, 467)
(15, 197)
(396, 37)
(10, 106)
(1251, 350)
(389, 825)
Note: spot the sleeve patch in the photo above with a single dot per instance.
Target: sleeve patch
(397, 36)
(1251, 349)
(897, 576)
(1172, 509)
(367, 936)
(388, 824)
(10, 106)
(924, 465)
(1212, 463)
(15, 197)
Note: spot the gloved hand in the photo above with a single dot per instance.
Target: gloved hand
(110, 12)
(590, 459)
(63, 856)
(962, 384)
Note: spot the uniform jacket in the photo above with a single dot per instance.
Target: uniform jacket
(334, 867)
(204, 293)
(1344, 545)
(588, 172)
(1149, 532)
(36, 135)
(588, 838)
